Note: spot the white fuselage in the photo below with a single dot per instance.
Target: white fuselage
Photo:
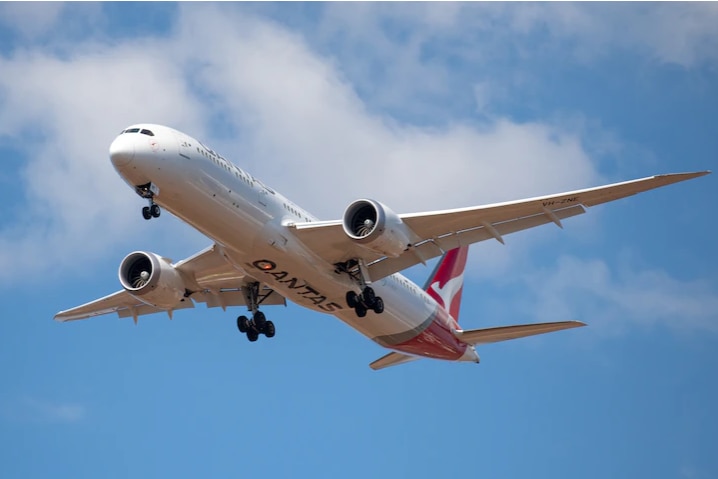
(249, 221)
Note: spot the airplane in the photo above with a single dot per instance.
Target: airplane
(267, 250)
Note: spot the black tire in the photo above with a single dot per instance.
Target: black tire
(260, 320)
(368, 296)
(269, 329)
(146, 213)
(378, 305)
(252, 335)
(243, 324)
(352, 299)
(155, 211)
(361, 310)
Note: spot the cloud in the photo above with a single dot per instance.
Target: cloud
(613, 298)
(397, 53)
(678, 33)
(30, 19)
(31, 409)
(307, 121)
(64, 127)
(271, 103)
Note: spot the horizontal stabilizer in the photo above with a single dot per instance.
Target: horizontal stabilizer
(392, 359)
(504, 333)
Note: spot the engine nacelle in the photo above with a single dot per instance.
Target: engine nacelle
(152, 280)
(376, 227)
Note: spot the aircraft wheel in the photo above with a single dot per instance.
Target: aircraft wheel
(146, 214)
(252, 335)
(378, 305)
(259, 321)
(269, 329)
(368, 297)
(243, 324)
(361, 310)
(352, 299)
(155, 211)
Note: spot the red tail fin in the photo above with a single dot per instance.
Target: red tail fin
(446, 283)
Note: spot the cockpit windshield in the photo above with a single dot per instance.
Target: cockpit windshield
(138, 130)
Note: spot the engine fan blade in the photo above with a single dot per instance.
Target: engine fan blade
(141, 280)
(366, 227)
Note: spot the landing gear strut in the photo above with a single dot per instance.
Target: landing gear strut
(367, 299)
(259, 323)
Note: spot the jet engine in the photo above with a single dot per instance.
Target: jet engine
(152, 280)
(377, 228)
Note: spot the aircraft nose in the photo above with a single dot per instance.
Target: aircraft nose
(122, 150)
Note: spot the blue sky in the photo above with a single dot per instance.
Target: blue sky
(421, 106)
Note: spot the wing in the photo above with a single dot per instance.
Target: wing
(440, 231)
(209, 273)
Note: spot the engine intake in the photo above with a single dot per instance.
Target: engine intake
(376, 227)
(152, 280)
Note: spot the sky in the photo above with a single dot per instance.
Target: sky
(421, 106)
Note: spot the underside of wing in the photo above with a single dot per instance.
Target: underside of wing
(120, 302)
(209, 277)
(433, 233)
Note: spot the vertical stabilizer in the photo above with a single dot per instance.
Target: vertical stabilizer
(447, 281)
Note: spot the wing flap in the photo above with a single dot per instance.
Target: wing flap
(505, 333)
(235, 297)
(392, 359)
(211, 268)
(142, 309)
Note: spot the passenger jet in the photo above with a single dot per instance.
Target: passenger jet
(267, 250)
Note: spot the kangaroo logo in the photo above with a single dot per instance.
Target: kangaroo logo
(447, 293)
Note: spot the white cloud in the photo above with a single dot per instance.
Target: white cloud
(287, 115)
(308, 123)
(679, 33)
(415, 52)
(70, 110)
(613, 299)
(30, 19)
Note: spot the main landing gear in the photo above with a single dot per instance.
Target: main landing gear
(255, 326)
(366, 300)
(259, 323)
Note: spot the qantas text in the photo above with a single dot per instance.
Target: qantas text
(299, 287)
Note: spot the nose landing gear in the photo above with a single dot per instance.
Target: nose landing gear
(152, 211)
(148, 191)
